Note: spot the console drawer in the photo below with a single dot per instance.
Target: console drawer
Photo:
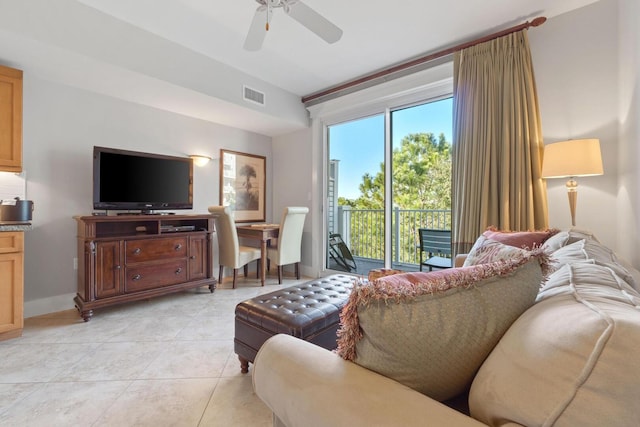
(151, 276)
(155, 249)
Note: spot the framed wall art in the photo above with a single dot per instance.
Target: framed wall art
(243, 185)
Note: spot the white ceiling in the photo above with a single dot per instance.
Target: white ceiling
(377, 34)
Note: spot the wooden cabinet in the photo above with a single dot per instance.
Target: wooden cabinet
(11, 284)
(10, 119)
(132, 257)
(197, 263)
(108, 271)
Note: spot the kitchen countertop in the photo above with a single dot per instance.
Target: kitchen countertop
(15, 226)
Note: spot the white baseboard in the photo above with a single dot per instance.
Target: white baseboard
(65, 302)
(42, 306)
(308, 271)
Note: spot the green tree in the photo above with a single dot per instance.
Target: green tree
(421, 181)
(343, 201)
(421, 176)
(422, 172)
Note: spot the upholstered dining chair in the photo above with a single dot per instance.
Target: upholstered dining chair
(230, 253)
(288, 248)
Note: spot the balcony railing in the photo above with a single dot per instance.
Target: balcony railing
(363, 231)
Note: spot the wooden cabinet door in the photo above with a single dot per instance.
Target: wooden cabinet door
(109, 269)
(11, 293)
(198, 255)
(10, 119)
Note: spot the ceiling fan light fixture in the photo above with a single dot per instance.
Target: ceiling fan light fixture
(296, 9)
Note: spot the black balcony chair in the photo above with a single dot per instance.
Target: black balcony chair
(437, 245)
(340, 253)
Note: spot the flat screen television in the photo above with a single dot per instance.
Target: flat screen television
(131, 180)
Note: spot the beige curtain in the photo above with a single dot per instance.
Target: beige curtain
(497, 141)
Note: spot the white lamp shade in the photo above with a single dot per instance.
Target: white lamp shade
(576, 157)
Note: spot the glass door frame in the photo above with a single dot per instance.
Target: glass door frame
(388, 189)
(427, 86)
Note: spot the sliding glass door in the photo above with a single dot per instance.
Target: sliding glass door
(387, 175)
(355, 203)
(421, 177)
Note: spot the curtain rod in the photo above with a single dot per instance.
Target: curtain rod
(412, 63)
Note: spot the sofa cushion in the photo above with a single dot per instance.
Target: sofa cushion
(594, 252)
(494, 245)
(486, 250)
(556, 241)
(520, 239)
(635, 274)
(576, 234)
(431, 331)
(377, 273)
(569, 359)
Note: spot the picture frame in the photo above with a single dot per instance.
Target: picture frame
(243, 184)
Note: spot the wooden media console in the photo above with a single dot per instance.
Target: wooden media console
(132, 257)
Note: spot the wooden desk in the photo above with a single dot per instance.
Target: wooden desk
(264, 233)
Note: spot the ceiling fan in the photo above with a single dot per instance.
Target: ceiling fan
(298, 11)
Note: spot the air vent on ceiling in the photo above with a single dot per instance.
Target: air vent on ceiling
(253, 95)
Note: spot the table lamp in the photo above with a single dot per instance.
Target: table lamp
(573, 158)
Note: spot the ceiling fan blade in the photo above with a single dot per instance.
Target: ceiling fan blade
(257, 32)
(314, 21)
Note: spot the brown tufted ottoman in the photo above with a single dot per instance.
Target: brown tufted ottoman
(310, 311)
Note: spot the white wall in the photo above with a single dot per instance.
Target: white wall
(587, 65)
(61, 126)
(575, 58)
(628, 206)
(292, 183)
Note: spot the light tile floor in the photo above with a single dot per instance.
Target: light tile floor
(167, 361)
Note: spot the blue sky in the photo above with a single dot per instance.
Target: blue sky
(359, 144)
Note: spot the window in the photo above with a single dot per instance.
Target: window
(388, 175)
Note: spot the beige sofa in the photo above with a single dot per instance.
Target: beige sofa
(571, 359)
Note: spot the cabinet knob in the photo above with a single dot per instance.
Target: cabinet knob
(178, 247)
(118, 267)
(192, 257)
(137, 251)
(179, 270)
(136, 277)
